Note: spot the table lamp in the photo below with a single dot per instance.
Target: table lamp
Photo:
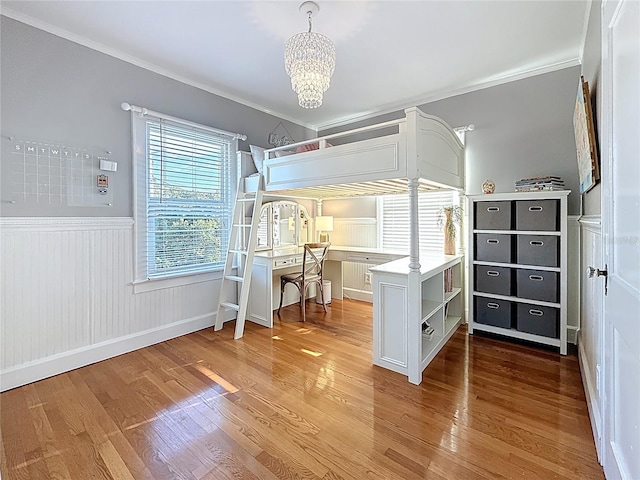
(324, 224)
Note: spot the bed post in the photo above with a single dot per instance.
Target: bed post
(414, 229)
(414, 289)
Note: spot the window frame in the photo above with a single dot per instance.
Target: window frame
(142, 282)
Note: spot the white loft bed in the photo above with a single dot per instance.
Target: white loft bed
(422, 153)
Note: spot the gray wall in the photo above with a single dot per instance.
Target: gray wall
(54, 90)
(591, 63)
(523, 129)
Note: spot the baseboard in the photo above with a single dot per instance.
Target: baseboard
(80, 357)
(355, 294)
(572, 334)
(591, 395)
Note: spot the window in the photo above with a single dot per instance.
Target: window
(394, 220)
(184, 194)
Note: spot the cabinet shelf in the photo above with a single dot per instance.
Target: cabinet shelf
(520, 232)
(448, 296)
(450, 322)
(517, 299)
(429, 308)
(517, 265)
(512, 332)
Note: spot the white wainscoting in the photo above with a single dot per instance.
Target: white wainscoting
(573, 278)
(590, 336)
(356, 232)
(68, 301)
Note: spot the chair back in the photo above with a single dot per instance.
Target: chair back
(313, 262)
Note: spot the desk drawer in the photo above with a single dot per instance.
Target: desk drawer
(287, 262)
(366, 258)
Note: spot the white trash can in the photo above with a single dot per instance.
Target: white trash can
(326, 286)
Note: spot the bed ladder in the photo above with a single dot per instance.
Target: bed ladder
(242, 243)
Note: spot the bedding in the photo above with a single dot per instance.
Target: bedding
(257, 153)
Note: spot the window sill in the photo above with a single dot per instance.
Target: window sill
(142, 286)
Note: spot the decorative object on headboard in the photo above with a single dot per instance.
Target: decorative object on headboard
(585, 139)
(309, 59)
(280, 136)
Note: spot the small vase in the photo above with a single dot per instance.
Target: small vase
(449, 235)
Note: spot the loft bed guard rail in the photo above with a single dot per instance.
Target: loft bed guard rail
(322, 141)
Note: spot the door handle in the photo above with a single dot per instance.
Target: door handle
(594, 272)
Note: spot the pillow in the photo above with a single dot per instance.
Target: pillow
(257, 153)
(310, 146)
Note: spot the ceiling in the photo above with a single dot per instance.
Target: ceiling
(389, 54)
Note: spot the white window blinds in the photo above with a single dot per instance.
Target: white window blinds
(184, 198)
(394, 213)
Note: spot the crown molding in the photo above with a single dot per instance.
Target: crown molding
(585, 30)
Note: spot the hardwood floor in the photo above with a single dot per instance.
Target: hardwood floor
(303, 401)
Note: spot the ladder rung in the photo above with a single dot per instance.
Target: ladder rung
(234, 278)
(230, 305)
(241, 252)
(242, 225)
(248, 199)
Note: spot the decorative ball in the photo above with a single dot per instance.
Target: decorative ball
(488, 187)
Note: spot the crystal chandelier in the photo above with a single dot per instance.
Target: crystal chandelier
(309, 59)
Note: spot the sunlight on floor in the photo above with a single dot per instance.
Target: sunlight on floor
(309, 352)
(216, 378)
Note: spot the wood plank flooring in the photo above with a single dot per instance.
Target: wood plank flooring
(303, 401)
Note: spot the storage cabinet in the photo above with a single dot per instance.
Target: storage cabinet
(401, 342)
(518, 266)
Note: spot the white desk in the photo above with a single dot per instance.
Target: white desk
(269, 265)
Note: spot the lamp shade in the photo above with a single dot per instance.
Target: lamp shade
(324, 223)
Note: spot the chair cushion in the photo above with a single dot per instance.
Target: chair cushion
(292, 277)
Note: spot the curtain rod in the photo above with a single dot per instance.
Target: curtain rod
(142, 111)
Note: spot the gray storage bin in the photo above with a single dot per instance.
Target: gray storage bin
(491, 279)
(538, 320)
(489, 311)
(537, 285)
(492, 247)
(537, 215)
(538, 250)
(493, 215)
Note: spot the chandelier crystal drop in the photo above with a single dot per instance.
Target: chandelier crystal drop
(309, 59)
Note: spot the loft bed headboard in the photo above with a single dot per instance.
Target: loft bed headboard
(422, 147)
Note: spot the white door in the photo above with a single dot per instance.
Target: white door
(620, 147)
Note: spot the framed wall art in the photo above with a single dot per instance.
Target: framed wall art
(584, 130)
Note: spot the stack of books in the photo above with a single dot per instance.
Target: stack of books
(448, 280)
(427, 331)
(538, 184)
